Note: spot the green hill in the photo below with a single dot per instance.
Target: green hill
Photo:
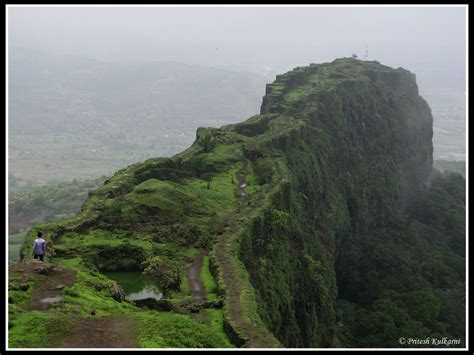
(320, 217)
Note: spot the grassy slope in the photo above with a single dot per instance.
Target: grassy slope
(124, 209)
(164, 206)
(39, 329)
(75, 248)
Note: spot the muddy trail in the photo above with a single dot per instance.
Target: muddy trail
(196, 286)
(103, 332)
(256, 338)
(242, 184)
(50, 280)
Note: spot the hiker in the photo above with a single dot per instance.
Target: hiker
(39, 248)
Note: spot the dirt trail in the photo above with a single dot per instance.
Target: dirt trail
(195, 283)
(104, 332)
(242, 183)
(92, 332)
(256, 337)
(51, 280)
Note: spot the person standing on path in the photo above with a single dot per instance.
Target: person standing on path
(39, 248)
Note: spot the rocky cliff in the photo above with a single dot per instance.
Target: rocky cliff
(355, 142)
(338, 150)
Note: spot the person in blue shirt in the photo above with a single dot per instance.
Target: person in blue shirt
(39, 248)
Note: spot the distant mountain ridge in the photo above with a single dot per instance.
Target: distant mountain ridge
(59, 93)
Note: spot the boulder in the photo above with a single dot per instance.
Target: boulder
(43, 268)
(91, 312)
(116, 292)
(152, 303)
(19, 287)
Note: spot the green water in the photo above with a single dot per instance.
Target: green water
(135, 285)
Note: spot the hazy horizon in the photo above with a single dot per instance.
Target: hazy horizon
(429, 41)
(89, 76)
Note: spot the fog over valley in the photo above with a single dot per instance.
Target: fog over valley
(95, 89)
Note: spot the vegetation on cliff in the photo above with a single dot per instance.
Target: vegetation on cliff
(315, 214)
(407, 279)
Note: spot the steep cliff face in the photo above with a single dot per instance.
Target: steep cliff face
(362, 150)
(338, 149)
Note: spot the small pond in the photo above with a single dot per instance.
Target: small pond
(135, 285)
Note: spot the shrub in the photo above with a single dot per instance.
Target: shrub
(264, 171)
(164, 271)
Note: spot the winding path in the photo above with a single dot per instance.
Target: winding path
(242, 183)
(196, 286)
(256, 337)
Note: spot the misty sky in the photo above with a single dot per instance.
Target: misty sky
(428, 41)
